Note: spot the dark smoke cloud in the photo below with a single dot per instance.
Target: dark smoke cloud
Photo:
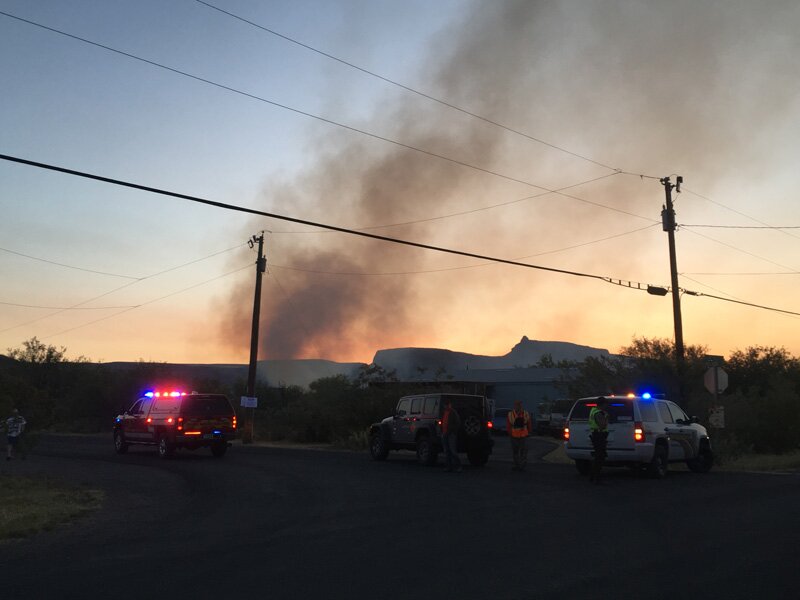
(648, 86)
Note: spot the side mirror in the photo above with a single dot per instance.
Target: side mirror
(694, 419)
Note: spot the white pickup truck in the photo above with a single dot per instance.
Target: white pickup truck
(643, 432)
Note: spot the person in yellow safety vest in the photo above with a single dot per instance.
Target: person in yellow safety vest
(519, 428)
(598, 427)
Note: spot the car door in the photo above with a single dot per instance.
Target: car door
(415, 417)
(134, 423)
(401, 423)
(673, 430)
(686, 435)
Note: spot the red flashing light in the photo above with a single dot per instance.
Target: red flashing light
(489, 424)
(170, 420)
(149, 419)
(638, 432)
(591, 404)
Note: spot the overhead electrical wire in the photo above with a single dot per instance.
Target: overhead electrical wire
(738, 212)
(191, 287)
(467, 212)
(116, 289)
(731, 246)
(743, 226)
(61, 308)
(422, 94)
(66, 266)
(761, 306)
(50, 262)
(320, 118)
(364, 234)
(743, 273)
(278, 217)
(442, 270)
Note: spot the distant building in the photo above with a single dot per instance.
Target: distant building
(532, 385)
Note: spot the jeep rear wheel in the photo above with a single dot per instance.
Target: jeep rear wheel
(657, 469)
(702, 462)
(378, 448)
(120, 445)
(426, 455)
(165, 447)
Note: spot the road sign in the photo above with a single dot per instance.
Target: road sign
(716, 380)
(249, 402)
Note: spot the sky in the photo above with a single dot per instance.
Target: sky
(536, 132)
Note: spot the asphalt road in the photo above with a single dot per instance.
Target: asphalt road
(288, 523)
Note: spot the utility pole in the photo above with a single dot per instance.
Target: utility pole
(261, 266)
(668, 224)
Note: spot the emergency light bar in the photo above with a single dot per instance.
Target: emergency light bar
(164, 394)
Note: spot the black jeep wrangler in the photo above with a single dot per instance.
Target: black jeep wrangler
(416, 425)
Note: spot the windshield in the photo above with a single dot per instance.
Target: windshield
(618, 409)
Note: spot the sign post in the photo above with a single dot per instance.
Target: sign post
(716, 382)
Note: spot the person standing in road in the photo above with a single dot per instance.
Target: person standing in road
(15, 425)
(598, 426)
(451, 423)
(519, 428)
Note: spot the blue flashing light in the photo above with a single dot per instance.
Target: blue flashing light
(148, 394)
(217, 432)
(646, 396)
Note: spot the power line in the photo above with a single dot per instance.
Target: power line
(261, 213)
(779, 310)
(116, 289)
(744, 226)
(364, 234)
(50, 262)
(743, 273)
(731, 246)
(318, 117)
(738, 212)
(442, 270)
(66, 307)
(474, 210)
(419, 93)
(191, 287)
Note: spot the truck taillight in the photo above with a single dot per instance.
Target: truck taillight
(180, 423)
(489, 424)
(234, 421)
(566, 433)
(638, 432)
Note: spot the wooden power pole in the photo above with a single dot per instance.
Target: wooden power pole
(261, 267)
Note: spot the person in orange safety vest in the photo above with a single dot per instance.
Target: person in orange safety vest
(519, 428)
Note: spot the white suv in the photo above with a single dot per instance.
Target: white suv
(642, 432)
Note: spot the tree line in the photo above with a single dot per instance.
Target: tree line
(762, 402)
